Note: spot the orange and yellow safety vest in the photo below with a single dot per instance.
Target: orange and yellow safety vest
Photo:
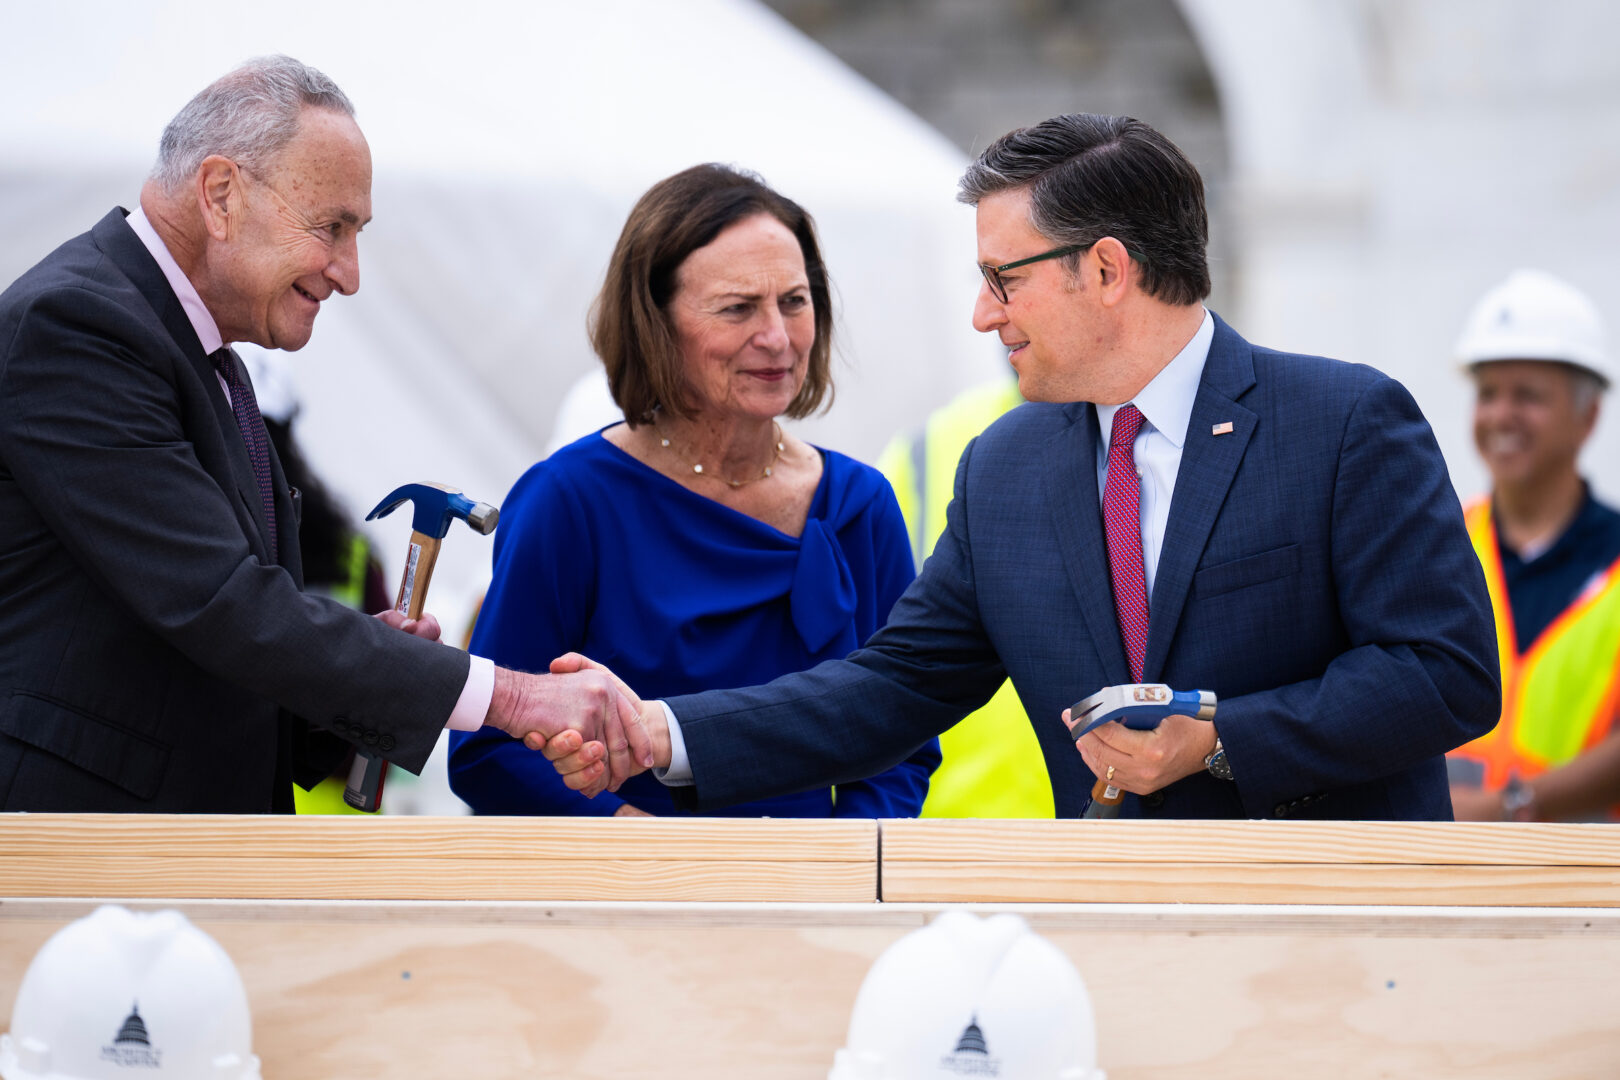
(1559, 696)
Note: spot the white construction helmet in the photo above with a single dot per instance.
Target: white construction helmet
(119, 994)
(971, 997)
(1535, 316)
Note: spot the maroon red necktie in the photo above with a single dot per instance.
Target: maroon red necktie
(246, 409)
(1122, 515)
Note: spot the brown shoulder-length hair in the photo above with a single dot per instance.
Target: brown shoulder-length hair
(630, 324)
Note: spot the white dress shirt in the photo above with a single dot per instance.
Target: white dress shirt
(1166, 404)
(468, 715)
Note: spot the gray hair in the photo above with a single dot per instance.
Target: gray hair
(248, 115)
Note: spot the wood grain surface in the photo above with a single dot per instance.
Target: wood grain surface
(436, 858)
(1426, 843)
(1251, 862)
(763, 991)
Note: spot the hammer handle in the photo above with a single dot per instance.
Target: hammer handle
(413, 584)
(1105, 800)
(365, 787)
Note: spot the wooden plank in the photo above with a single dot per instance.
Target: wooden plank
(441, 879)
(763, 992)
(493, 838)
(428, 859)
(1258, 883)
(1244, 842)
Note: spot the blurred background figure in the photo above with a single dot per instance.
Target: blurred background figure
(966, 996)
(119, 994)
(338, 561)
(1540, 363)
(697, 545)
(991, 764)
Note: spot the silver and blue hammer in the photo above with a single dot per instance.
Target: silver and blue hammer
(1142, 706)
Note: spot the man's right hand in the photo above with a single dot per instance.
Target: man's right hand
(578, 757)
(588, 705)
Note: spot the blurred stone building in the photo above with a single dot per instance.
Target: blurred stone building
(976, 70)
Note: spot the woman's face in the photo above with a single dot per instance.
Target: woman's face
(744, 320)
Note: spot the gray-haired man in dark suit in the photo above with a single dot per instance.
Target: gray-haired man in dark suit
(156, 652)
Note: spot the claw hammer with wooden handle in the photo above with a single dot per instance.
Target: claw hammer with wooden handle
(436, 507)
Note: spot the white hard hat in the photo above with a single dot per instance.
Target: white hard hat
(119, 994)
(1535, 316)
(971, 997)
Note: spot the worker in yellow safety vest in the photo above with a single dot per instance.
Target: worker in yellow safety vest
(1535, 348)
(992, 764)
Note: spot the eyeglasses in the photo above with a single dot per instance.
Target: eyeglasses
(992, 274)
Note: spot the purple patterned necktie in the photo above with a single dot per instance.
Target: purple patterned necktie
(229, 366)
(1122, 514)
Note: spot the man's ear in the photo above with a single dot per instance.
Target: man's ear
(219, 196)
(1114, 270)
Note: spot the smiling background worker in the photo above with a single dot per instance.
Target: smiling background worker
(156, 652)
(1290, 518)
(1536, 350)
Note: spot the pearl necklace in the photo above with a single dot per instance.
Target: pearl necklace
(697, 467)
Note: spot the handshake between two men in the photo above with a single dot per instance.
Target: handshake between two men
(580, 695)
(579, 715)
(617, 736)
(613, 736)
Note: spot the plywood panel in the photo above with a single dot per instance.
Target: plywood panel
(437, 859)
(763, 992)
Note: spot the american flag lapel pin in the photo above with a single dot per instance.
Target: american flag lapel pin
(1224, 428)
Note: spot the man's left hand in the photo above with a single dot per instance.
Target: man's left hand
(1147, 761)
(426, 627)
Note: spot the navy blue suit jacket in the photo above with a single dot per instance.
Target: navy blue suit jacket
(1315, 574)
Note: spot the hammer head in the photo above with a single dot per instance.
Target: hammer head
(436, 506)
(1139, 705)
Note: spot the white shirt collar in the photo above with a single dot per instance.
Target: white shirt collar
(1167, 401)
(201, 321)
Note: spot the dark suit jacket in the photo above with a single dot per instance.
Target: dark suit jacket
(148, 643)
(1315, 574)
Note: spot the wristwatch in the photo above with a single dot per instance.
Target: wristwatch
(1216, 763)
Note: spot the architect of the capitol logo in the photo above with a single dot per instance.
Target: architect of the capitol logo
(972, 1054)
(132, 1047)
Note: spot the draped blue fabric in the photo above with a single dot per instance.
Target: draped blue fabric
(598, 554)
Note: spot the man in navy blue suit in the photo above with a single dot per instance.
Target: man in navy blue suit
(1174, 505)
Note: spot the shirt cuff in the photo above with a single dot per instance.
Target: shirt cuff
(679, 773)
(473, 705)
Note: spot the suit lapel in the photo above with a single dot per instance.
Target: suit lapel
(1071, 492)
(287, 523)
(114, 236)
(1209, 462)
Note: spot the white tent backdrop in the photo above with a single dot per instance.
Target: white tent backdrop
(509, 141)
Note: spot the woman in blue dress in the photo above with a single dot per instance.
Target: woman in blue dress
(697, 545)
